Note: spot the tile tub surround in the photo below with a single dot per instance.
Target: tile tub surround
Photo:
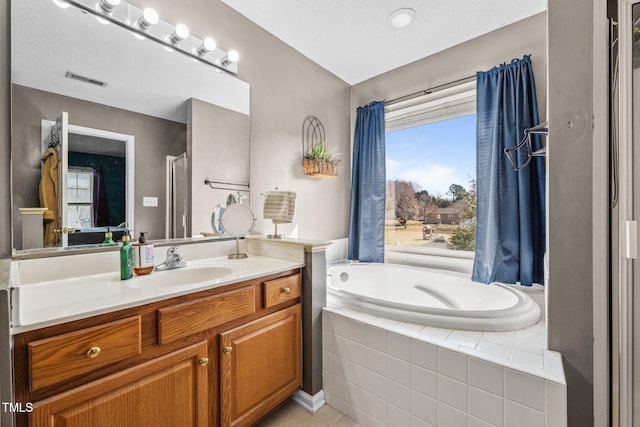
(380, 372)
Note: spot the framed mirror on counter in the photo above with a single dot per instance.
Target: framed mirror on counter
(142, 125)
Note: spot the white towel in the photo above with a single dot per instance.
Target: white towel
(279, 206)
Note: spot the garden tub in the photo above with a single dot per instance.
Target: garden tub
(430, 297)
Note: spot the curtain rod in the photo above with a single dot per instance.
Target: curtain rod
(429, 91)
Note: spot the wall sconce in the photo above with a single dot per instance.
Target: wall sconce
(231, 57)
(149, 17)
(145, 23)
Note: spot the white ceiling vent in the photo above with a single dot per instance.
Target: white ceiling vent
(74, 76)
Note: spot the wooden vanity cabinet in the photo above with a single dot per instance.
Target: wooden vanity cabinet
(260, 366)
(167, 363)
(170, 390)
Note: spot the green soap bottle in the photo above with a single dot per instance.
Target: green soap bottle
(126, 258)
(108, 238)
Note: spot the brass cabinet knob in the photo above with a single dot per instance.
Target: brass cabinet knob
(227, 349)
(93, 352)
(204, 361)
(286, 290)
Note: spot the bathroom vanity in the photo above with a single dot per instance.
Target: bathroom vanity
(227, 355)
(219, 352)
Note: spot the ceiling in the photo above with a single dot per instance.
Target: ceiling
(353, 40)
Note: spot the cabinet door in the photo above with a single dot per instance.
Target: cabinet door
(170, 391)
(260, 366)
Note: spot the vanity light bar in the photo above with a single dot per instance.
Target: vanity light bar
(171, 40)
(84, 79)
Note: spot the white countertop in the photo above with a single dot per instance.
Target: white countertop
(309, 245)
(53, 302)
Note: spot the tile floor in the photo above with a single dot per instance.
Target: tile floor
(293, 415)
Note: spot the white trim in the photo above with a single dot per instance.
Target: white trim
(310, 403)
(453, 102)
(167, 222)
(601, 211)
(130, 162)
(625, 209)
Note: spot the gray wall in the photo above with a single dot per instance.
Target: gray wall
(286, 87)
(220, 136)
(571, 202)
(5, 132)
(480, 54)
(154, 139)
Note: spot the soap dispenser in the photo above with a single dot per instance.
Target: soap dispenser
(143, 261)
(108, 238)
(126, 258)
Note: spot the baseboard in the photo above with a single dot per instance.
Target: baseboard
(308, 402)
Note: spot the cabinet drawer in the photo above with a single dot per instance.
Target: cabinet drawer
(283, 289)
(56, 359)
(185, 319)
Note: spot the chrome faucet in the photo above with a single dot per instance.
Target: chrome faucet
(172, 261)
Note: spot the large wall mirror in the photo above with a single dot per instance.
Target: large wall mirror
(118, 110)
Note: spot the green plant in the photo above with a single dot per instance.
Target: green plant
(463, 238)
(319, 151)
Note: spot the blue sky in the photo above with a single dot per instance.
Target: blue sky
(435, 155)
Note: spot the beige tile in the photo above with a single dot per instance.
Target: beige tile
(293, 415)
(345, 422)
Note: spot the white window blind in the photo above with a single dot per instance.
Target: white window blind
(444, 104)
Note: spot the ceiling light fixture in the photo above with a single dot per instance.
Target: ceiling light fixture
(401, 18)
(180, 33)
(230, 58)
(207, 46)
(140, 21)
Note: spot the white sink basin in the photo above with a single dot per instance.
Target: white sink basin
(179, 277)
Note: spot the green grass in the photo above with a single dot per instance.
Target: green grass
(412, 235)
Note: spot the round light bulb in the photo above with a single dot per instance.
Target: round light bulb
(182, 31)
(150, 16)
(233, 55)
(209, 44)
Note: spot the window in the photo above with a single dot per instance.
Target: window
(431, 161)
(79, 198)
